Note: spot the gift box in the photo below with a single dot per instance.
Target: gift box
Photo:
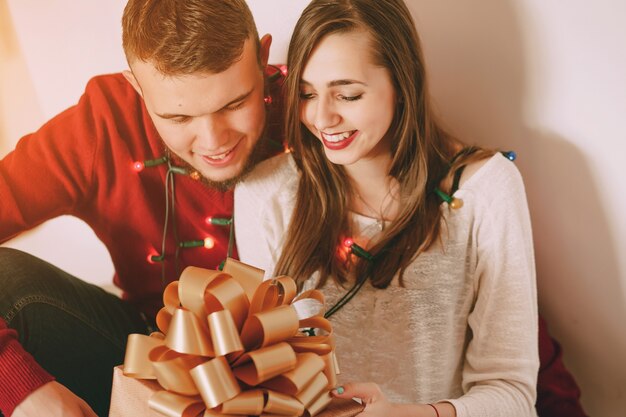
(231, 344)
(130, 399)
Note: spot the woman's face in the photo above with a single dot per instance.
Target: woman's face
(347, 101)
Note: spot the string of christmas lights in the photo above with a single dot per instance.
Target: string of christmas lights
(207, 242)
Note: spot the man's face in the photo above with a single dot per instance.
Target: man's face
(211, 121)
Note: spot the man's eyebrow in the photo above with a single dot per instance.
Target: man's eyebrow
(171, 115)
(335, 83)
(237, 99)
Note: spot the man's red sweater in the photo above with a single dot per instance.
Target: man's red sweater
(82, 163)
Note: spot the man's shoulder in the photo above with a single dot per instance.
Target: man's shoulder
(114, 80)
(111, 87)
(110, 97)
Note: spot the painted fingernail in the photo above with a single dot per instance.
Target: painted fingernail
(340, 390)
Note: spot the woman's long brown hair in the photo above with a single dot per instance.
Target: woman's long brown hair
(421, 151)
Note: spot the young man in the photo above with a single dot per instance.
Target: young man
(147, 159)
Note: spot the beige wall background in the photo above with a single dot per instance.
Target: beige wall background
(542, 77)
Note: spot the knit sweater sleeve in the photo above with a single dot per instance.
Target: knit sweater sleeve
(263, 206)
(20, 373)
(48, 174)
(501, 362)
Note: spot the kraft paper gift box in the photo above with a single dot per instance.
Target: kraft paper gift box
(130, 399)
(232, 344)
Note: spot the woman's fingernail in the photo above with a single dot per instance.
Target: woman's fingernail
(339, 390)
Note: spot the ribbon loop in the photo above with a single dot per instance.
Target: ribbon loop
(281, 404)
(247, 276)
(319, 404)
(310, 393)
(268, 327)
(215, 381)
(192, 287)
(225, 293)
(173, 375)
(187, 334)
(224, 333)
(265, 363)
(292, 382)
(170, 302)
(136, 363)
(273, 293)
(247, 403)
(174, 405)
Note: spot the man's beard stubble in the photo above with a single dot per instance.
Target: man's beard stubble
(263, 149)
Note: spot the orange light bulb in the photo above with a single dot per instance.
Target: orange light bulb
(209, 243)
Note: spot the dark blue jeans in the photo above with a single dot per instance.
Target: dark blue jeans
(76, 331)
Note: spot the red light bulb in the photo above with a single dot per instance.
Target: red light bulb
(138, 166)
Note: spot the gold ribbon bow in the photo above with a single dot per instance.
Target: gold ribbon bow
(231, 344)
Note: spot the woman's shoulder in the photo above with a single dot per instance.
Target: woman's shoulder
(270, 176)
(492, 178)
(489, 170)
(269, 179)
(263, 206)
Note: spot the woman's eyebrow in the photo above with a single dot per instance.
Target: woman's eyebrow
(335, 83)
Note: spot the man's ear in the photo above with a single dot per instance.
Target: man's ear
(264, 50)
(130, 77)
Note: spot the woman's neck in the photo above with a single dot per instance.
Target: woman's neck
(375, 193)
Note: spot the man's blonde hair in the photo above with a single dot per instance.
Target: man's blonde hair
(187, 36)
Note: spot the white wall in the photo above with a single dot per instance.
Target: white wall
(546, 79)
(48, 51)
(542, 77)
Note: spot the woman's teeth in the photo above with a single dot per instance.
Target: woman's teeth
(338, 137)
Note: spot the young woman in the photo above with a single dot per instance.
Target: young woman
(421, 245)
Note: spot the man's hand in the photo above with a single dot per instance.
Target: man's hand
(54, 400)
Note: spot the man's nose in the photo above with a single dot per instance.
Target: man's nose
(211, 133)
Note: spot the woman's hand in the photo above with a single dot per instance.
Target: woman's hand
(375, 402)
(53, 399)
(377, 405)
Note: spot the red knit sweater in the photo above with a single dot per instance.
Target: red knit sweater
(81, 163)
